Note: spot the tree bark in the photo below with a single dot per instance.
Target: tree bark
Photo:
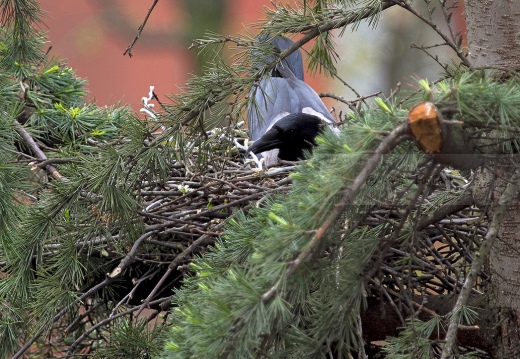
(493, 29)
(493, 32)
(503, 293)
(505, 286)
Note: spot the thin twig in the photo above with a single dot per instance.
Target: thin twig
(49, 161)
(140, 30)
(333, 73)
(129, 258)
(223, 39)
(38, 152)
(146, 302)
(458, 51)
(347, 102)
(64, 311)
(108, 320)
(434, 58)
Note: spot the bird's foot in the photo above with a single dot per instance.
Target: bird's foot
(259, 162)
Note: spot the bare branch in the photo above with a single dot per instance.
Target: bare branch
(140, 30)
(38, 152)
(454, 46)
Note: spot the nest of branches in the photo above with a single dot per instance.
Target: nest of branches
(186, 213)
(420, 279)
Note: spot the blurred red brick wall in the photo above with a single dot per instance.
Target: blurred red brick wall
(93, 34)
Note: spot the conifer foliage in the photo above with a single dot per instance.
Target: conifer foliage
(375, 245)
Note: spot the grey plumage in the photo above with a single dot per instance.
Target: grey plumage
(285, 93)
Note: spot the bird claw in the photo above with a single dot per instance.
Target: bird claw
(259, 162)
(241, 147)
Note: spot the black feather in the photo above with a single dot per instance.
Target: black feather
(292, 135)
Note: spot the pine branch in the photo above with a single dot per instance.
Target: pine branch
(312, 31)
(58, 316)
(22, 18)
(347, 194)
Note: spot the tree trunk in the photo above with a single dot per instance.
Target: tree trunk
(504, 289)
(493, 32)
(493, 29)
(505, 286)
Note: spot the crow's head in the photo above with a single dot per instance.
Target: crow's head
(291, 135)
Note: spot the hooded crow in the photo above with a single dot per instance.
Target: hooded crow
(282, 95)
